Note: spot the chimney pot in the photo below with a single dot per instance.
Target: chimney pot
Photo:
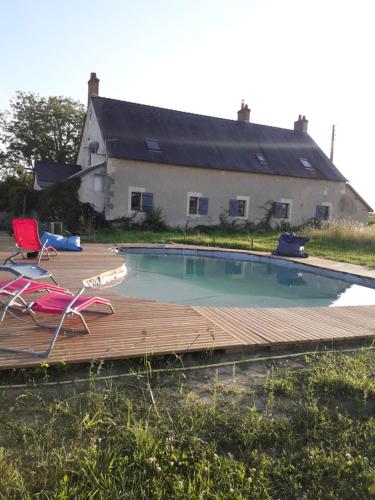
(243, 115)
(301, 124)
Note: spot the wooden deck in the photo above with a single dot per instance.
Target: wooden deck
(140, 327)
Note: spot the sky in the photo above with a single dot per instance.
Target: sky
(283, 57)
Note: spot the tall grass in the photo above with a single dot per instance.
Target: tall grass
(345, 232)
(344, 242)
(306, 433)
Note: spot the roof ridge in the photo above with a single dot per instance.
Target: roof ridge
(191, 114)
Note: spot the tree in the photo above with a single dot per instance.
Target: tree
(39, 128)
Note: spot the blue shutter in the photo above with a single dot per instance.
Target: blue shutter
(147, 201)
(234, 208)
(203, 206)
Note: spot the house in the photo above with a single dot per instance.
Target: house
(48, 173)
(199, 168)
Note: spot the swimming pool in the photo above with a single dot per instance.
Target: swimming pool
(231, 280)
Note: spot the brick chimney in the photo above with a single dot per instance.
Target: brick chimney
(243, 115)
(93, 86)
(301, 124)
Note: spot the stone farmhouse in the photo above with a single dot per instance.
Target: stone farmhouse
(196, 168)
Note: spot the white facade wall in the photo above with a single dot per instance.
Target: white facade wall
(92, 133)
(171, 185)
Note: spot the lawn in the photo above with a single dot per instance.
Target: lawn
(289, 430)
(341, 242)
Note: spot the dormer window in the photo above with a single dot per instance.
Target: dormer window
(261, 158)
(305, 162)
(152, 144)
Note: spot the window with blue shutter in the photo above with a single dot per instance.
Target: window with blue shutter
(281, 210)
(234, 207)
(147, 201)
(197, 205)
(237, 208)
(322, 212)
(203, 206)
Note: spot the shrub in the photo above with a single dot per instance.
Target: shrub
(154, 220)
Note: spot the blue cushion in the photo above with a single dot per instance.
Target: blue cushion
(71, 243)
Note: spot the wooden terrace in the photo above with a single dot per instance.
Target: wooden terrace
(139, 327)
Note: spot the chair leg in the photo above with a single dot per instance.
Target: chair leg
(11, 257)
(83, 321)
(56, 334)
(13, 302)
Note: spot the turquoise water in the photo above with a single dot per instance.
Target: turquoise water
(209, 281)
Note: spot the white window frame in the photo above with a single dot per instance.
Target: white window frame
(247, 199)
(133, 189)
(192, 195)
(290, 202)
(327, 204)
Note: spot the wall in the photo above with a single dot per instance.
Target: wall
(170, 185)
(91, 132)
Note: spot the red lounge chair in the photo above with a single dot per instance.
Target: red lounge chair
(59, 304)
(27, 240)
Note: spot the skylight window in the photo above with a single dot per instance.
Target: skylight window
(152, 144)
(261, 158)
(306, 164)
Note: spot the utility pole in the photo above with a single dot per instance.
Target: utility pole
(332, 143)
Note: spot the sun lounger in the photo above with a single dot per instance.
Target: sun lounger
(57, 304)
(28, 242)
(14, 289)
(29, 271)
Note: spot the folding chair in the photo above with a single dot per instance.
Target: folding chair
(27, 239)
(14, 290)
(63, 305)
(29, 271)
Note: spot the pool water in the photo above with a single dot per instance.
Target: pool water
(219, 282)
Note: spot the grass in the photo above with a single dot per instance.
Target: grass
(342, 242)
(300, 433)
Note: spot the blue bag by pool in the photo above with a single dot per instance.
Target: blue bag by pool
(291, 245)
(71, 243)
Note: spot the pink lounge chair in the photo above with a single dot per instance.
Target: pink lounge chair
(15, 288)
(27, 239)
(61, 304)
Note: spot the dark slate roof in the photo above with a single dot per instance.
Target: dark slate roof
(87, 170)
(359, 197)
(48, 172)
(204, 141)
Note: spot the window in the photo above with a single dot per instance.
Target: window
(152, 144)
(239, 207)
(305, 162)
(197, 204)
(193, 205)
(261, 158)
(139, 200)
(98, 183)
(136, 201)
(323, 211)
(282, 210)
